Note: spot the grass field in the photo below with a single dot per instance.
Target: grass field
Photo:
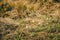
(29, 20)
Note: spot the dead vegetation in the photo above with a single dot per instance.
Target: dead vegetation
(29, 20)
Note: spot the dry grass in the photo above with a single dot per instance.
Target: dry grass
(29, 20)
